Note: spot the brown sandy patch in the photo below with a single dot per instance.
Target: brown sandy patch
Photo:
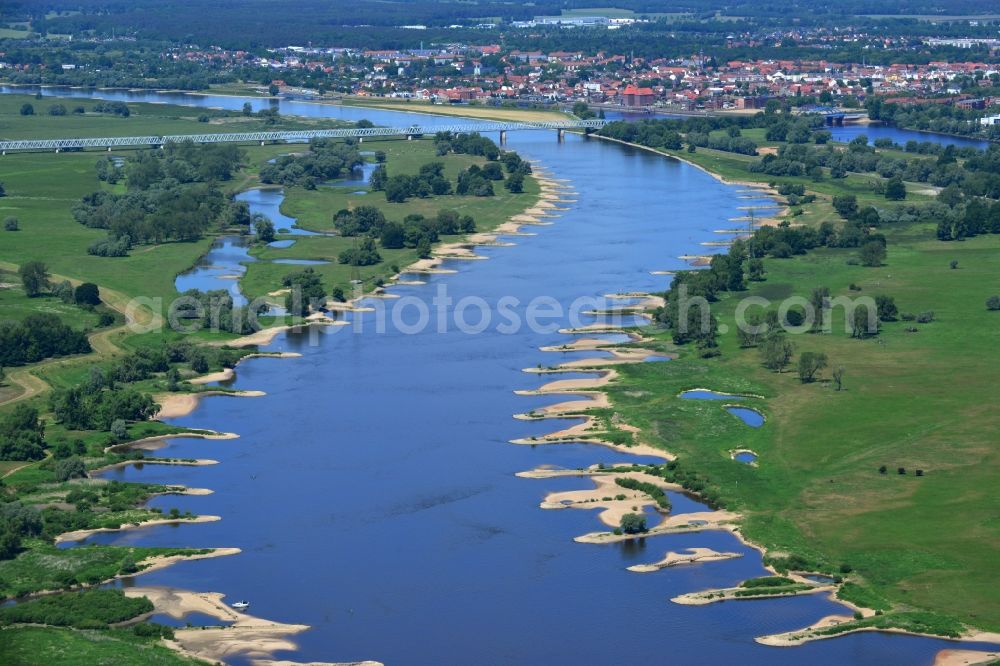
(685, 523)
(173, 405)
(158, 441)
(593, 400)
(604, 377)
(78, 535)
(965, 657)
(267, 335)
(731, 593)
(223, 375)
(690, 556)
(604, 496)
(247, 636)
(589, 344)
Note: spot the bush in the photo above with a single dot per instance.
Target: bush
(119, 429)
(106, 247)
(993, 303)
(63, 291)
(925, 317)
(37, 337)
(654, 491)
(69, 468)
(767, 581)
(633, 523)
(872, 254)
(153, 630)
(89, 609)
(87, 294)
(11, 224)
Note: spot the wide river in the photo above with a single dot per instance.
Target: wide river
(372, 489)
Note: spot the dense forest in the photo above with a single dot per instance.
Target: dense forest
(680, 27)
(171, 195)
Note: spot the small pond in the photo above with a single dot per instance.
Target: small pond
(751, 417)
(705, 394)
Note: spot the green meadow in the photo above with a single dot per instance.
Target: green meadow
(917, 396)
(314, 210)
(24, 645)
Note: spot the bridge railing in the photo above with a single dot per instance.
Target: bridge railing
(291, 135)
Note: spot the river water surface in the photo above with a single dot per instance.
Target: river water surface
(372, 489)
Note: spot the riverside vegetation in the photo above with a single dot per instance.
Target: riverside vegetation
(87, 232)
(877, 453)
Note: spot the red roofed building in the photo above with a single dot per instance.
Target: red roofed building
(636, 96)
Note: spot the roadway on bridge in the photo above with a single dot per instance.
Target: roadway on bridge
(295, 136)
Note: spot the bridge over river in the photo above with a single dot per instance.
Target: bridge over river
(295, 136)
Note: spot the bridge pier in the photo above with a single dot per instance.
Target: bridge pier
(503, 137)
(560, 135)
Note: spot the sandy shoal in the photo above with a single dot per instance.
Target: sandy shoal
(807, 634)
(589, 344)
(618, 357)
(226, 374)
(266, 336)
(223, 375)
(965, 657)
(604, 378)
(78, 535)
(589, 400)
(158, 441)
(690, 556)
(174, 405)
(606, 486)
(685, 523)
(729, 594)
(285, 662)
(247, 635)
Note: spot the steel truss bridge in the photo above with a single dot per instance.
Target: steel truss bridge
(295, 136)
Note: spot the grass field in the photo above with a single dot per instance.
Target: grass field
(314, 209)
(463, 110)
(733, 167)
(16, 306)
(24, 645)
(917, 400)
(144, 120)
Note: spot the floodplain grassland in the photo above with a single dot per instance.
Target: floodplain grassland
(41, 190)
(62, 646)
(918, 396)
(314, 210)
(505, 113)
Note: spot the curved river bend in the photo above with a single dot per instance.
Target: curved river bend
(372, 490)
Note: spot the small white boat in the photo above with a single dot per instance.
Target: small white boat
(241, 605)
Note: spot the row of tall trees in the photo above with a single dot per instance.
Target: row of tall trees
(171, 195)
